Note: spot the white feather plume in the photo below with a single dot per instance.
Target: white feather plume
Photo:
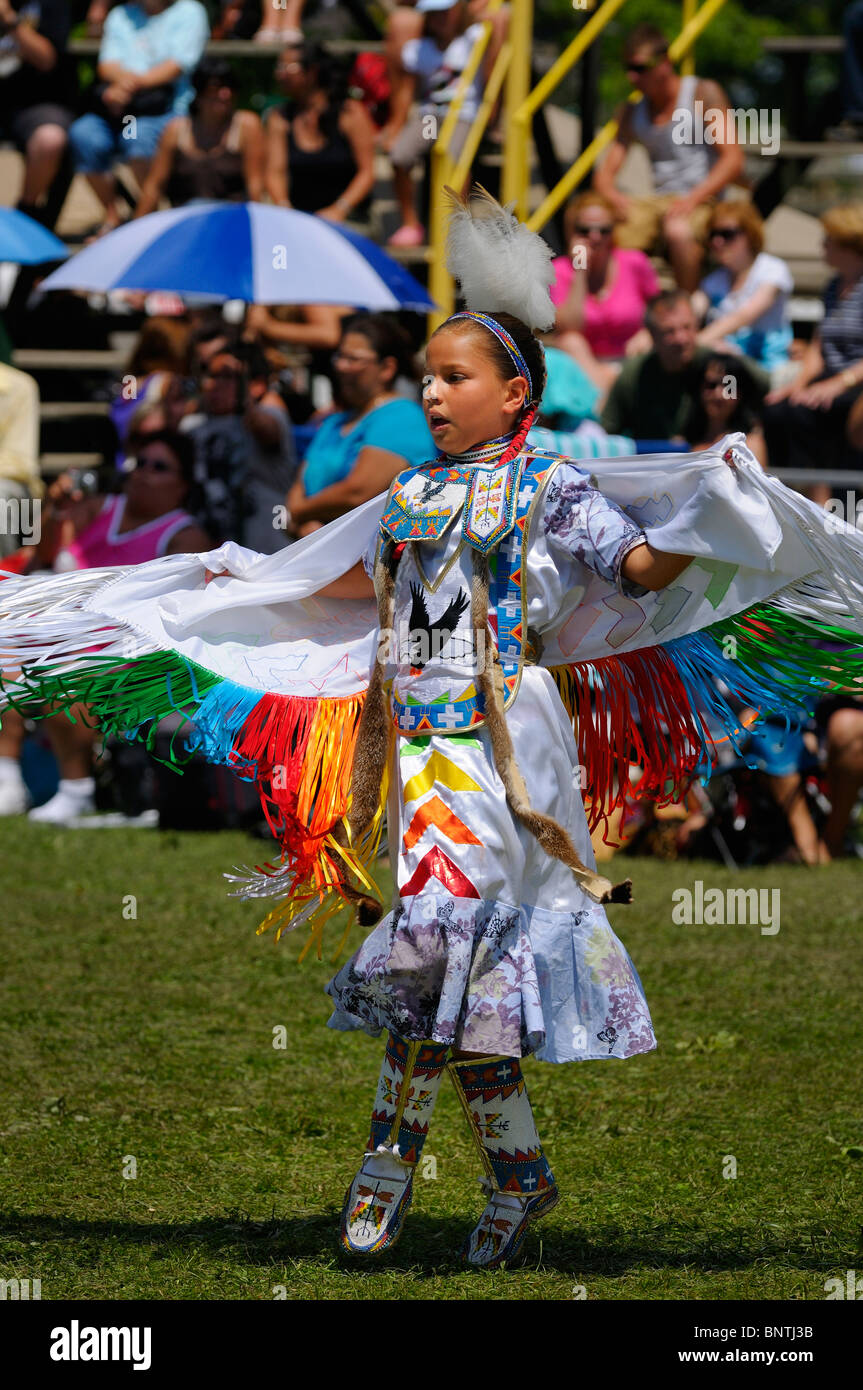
(500, 265)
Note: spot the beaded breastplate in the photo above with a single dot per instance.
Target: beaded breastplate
(493, 506)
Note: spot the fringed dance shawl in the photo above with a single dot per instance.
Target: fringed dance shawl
(272, 679)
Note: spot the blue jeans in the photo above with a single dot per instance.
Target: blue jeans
(97, 145)
(852, 61)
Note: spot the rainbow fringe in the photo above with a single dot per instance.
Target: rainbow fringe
(298, 751)
(660, 710)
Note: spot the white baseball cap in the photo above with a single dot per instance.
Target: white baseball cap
(427, 6)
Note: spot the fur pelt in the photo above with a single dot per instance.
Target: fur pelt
(551, 835)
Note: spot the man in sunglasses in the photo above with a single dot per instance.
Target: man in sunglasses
(692, 159)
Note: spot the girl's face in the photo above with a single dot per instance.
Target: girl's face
(464, 399)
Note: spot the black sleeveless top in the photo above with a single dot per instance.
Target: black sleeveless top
(219, 174)
(316, 178)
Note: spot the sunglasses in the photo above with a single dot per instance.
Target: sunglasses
(600, 231)
(352, 359)
(724, 233)
(156, 464)
(711, 384)
(226, 374)
(640, 68)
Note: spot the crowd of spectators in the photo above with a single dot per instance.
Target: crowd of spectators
(673, 323)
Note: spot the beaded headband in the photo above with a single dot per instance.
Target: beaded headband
(509, 343)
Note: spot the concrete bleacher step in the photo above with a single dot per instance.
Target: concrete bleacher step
(243, 48)
(69, 359)
(813, 149)
(72, 410)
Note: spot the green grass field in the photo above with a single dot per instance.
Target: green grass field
(151, 1040)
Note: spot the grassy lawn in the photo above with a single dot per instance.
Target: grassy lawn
(146, 1045)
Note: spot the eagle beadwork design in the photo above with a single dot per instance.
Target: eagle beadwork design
(426, 640)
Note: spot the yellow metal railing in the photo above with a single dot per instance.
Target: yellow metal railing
(690, 9)
(677, 49)
(445, 169)
(511, 72)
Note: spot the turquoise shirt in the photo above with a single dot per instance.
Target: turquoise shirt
(398, 426)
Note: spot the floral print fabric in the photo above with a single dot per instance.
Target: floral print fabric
(486, 977)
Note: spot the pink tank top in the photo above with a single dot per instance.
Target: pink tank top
(102, 543)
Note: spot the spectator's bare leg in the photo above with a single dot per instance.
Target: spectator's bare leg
(105, 188)
(404, 189)
(73, 749)
(404, 23)
(844, 772)
(43, 154)
(787, 791)
(73, 744)
(685, 252)
(11, 734)
(13, 793)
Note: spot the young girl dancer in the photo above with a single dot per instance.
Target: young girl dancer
(498, 945)
(493, 567)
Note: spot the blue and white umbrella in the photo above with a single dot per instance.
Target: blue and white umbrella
(24, 241)
(250, 251)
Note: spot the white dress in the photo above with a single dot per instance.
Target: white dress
(492, 946)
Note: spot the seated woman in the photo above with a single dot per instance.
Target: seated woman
(147, 54)
(427, 70)
(805, 421)
(357, 452)
(728, 399)
(744, 300)
(215, 152)
(157, 369)
(601, 291)
(146, 520)
(320, 144)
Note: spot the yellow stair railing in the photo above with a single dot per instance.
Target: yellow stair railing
(511, 72)
(445, 169)
(515, 180)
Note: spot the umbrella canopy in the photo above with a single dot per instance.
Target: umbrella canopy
(25, 241)
(250, 251)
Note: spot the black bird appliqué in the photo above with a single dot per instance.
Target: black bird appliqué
(426, 639)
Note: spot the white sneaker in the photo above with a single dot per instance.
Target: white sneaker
(14, 796)
(74, 798)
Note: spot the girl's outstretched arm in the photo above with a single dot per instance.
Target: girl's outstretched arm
(654, 569)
